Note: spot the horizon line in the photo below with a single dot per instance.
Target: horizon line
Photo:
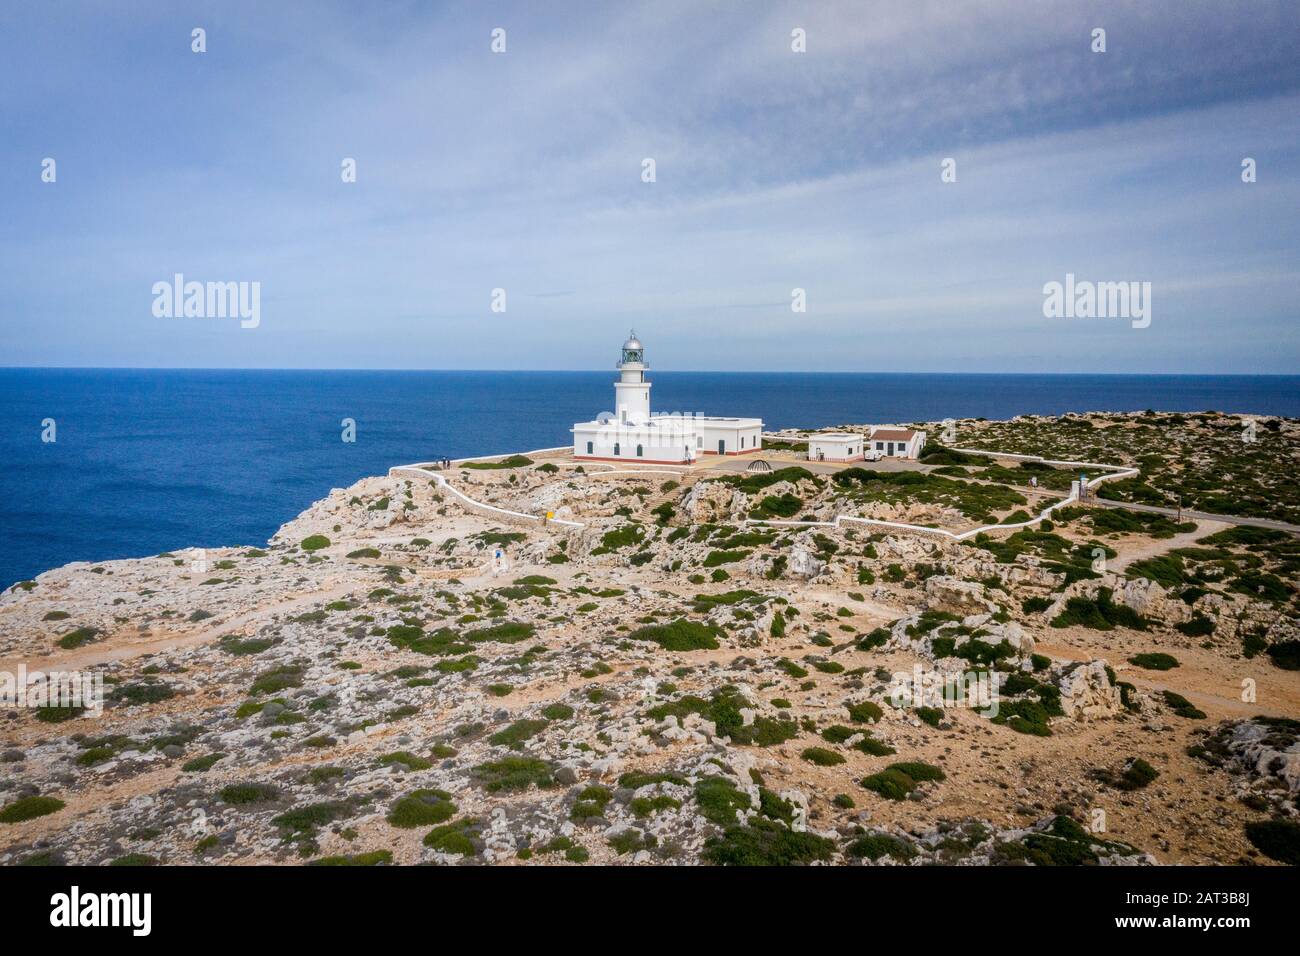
(245, 368)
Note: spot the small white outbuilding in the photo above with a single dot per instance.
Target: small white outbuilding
(836, 446)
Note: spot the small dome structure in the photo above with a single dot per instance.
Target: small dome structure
(758, 467)
(633, 342)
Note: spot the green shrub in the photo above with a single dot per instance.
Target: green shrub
(821, 756)
(507, 632)
(1154, 661)
(1276, 839)
(143, 692)
(277, 679)
(765, 843)
(510, 461)
(715, 558)
(1181, 706)
(517, 732)
(455, 838)
(201, 764)
(680, 635)
(1285, 654)
(421, 808)
(373, 858)
(630, 841)
(29, 808)
(78, 637)
(864, 712)
(898, 780)
(1135, 775)
(1166, 570)
(237, 647)
(624, 536)
(719, 799)
(1063, 843)
(314, 542)
(648, 806)
(929, 715)
(1100, 614)
(404, 759)
(874, 846)
(303, 821)
(242, 793)
(890, 784)
(791, 668)
(512, 774)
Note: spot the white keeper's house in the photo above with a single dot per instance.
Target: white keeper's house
(632, 433)
(895, 442)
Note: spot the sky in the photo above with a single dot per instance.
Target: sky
(775, 170)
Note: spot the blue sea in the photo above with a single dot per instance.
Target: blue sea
(156, 460)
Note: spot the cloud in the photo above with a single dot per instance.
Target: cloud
(775, 170)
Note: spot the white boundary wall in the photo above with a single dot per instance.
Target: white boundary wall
(424, 470)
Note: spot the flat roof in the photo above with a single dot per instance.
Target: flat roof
(835, 436)
(681, 422)
(670, 422)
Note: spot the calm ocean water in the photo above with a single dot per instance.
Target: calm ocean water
(149, 461)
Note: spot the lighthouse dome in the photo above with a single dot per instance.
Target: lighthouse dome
(633, 352)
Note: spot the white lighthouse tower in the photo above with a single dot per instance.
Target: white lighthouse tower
(632, 391)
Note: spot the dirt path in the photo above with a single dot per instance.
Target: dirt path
(1203, 677)
(120, 648)
(1198, 515)
(1158, 546)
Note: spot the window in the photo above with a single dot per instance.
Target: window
(742, 441)
(615, 449)
(699, 441)
(639, 452)
(588, 448)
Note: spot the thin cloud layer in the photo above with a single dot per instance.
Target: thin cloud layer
(774, 171)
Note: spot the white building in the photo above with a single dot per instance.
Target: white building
(835, 446)
(634, 433)
(895, 442)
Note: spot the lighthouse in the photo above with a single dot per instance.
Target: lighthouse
(632, 391)
(632, 434)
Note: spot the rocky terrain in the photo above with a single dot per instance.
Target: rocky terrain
(676, 681)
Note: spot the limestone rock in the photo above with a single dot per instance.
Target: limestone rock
(953, 594)
(1087, 693)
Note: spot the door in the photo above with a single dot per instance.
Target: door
(722, 446)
